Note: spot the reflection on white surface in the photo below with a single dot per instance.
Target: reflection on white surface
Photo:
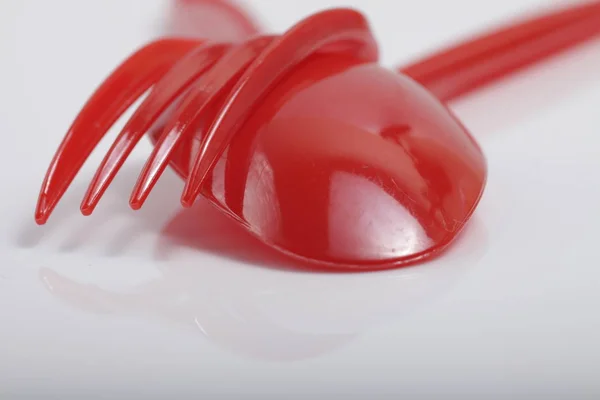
(267, 309)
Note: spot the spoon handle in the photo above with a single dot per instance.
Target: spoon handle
(470, 65)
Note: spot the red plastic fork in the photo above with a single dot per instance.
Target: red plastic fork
(302, 138)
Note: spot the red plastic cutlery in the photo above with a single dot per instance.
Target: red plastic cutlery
(303, 138)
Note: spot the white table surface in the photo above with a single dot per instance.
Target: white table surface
(155, 304)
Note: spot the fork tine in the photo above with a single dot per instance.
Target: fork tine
(322, 30)
(116, 94)
(171, 85)
(215, 83)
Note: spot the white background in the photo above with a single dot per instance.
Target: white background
(161, 304)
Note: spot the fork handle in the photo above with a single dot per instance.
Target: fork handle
(475, 63)
(448, 74)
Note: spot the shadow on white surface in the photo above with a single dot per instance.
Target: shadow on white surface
(237, 292)
(113, 214)
(277, 318)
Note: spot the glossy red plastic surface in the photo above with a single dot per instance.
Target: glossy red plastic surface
(304, 138)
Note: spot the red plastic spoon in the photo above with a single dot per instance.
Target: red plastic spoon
(304, 138)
